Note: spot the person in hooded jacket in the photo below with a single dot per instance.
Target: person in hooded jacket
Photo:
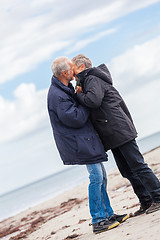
(113, 122)
(78, 143)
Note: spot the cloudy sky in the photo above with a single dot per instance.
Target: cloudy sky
(124, 34)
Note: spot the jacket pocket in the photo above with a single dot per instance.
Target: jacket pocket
(103, 127)
(66, 143)
(86, 146)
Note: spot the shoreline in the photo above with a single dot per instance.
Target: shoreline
(66, 216)
(47, 198)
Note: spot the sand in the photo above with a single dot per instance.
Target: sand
(67, 215)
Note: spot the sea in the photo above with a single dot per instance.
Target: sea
(37, 192)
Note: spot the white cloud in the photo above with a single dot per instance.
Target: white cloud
(144, 105)
(25, 114)
(136, 75)
(40, 3)
(83, 43)
(32, 34)
(137, 66)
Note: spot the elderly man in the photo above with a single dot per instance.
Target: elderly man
(112, 120)
(78, 143)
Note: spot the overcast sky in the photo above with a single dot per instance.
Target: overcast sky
(123, 34)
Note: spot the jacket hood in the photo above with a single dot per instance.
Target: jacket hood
(101, 72)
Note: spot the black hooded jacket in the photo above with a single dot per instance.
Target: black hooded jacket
(109, 113)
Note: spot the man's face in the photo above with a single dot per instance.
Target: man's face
(70, 74)
(78, 69)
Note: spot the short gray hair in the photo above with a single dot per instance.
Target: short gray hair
(59, 65)
(82, 59)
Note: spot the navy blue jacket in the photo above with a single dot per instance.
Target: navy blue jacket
(109, 113)
(75, 137)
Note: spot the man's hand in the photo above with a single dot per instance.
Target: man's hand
(78, 89)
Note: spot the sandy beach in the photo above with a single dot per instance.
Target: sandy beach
(67, 215)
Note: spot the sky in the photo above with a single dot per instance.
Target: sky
(123, 34)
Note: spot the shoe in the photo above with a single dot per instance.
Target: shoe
(119, 218)
(104, 226)
(153, 208)
(142, 209)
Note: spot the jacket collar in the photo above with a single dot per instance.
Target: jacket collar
(68, 89)
(82, 75)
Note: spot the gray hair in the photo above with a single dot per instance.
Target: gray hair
(82, 59)
(59, 65)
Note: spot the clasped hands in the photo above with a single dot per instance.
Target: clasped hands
(78, 89)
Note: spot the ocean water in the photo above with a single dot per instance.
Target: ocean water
(44, 189)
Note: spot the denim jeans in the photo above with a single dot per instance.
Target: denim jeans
(132, 166)
(99, 203)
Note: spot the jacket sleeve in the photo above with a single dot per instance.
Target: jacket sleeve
(70, 114)
(94, 93)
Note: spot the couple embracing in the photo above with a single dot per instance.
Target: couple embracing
(89, 121)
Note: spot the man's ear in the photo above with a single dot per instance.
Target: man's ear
(64, 73)
(83, 67)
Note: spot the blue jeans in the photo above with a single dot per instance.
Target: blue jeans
(99, 203)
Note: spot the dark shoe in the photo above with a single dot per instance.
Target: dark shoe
(153, 208)
(142, 209)
(119, 218)
(104, 226)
